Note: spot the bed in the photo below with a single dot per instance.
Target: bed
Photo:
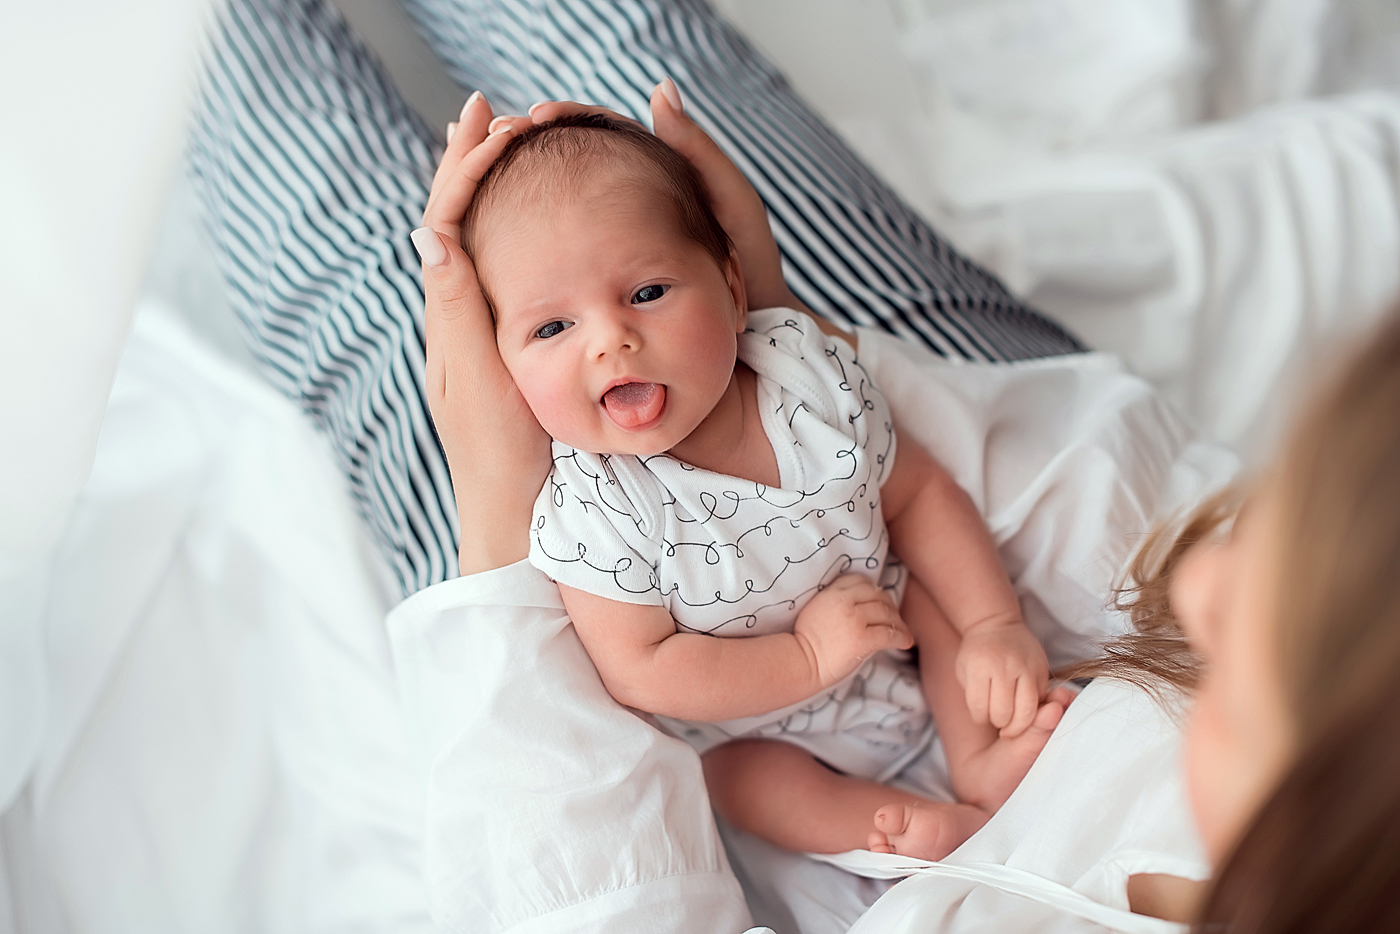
(235, 741)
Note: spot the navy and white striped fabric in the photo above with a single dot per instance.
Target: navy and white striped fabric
(313, 170)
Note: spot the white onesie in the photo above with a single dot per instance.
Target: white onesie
(732, 557)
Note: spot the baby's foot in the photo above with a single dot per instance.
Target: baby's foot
(926, 830)
(988, 777)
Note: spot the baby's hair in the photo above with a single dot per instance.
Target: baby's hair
(553, 161)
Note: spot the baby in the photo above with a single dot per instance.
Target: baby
(719, 473)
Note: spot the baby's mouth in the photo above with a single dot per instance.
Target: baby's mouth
(632, 405)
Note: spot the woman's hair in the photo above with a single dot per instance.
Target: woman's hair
(554, 161)
(1323, 852)
(1155, 655)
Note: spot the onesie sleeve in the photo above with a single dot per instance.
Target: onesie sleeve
(827, 379)
(594, 527)
(860, 403)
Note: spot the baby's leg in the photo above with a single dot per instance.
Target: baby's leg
(984, 767)
(779, 792)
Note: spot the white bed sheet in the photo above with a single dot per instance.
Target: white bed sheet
(228, 750)
(545, 798)
(224, 749)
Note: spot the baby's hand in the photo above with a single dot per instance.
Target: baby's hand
(847, 622)
(1005, 673)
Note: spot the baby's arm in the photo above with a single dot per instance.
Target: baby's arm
(645, 663)
(936, 530)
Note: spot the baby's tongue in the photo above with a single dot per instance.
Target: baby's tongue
(634, 404)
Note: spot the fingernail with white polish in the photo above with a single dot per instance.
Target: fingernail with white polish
(471, 100)
(451, 128)
(672, 94)
(496, 124)
(429, 247)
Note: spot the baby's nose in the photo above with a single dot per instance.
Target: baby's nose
(615, 332)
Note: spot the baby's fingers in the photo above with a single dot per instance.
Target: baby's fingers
(1002, 702)
(1027, 702)
(900, 636)
(979, 692)
(884, 629)
(876, 637)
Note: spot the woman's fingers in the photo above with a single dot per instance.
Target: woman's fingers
(452, 193)
(544, 111)
(465, 135)
(736, 204)
(496, 451)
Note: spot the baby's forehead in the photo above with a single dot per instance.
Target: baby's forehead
(540, 189)
(545, 179)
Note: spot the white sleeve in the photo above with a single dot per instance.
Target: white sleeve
(594, 527)
(549, 807)
(862, 410)
(825, 375)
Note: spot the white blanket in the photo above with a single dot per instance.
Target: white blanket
(227, 750)
(550, 807)
(224, 749)
(1208, 190)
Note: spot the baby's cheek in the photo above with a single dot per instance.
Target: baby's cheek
(559, 409)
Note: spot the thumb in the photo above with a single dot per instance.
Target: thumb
(457, 325)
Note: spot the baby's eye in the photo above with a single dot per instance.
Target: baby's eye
(552, 329)
(649, 293)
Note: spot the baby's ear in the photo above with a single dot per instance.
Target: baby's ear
(734, 275)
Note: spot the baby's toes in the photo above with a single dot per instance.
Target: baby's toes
(893, 818)
(1047, 717)
(878, 843)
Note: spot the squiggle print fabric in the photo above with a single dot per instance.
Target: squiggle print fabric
(732, 557)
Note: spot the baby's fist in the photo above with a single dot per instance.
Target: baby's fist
(845, 623)
(1004, 670)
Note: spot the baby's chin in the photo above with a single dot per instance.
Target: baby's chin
(639, 449)
(640, 444)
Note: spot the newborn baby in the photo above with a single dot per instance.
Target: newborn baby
(726, 488)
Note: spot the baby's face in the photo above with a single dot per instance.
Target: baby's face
(619, 332)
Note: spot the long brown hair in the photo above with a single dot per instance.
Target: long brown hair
(1323, 852)
(1155, 655)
